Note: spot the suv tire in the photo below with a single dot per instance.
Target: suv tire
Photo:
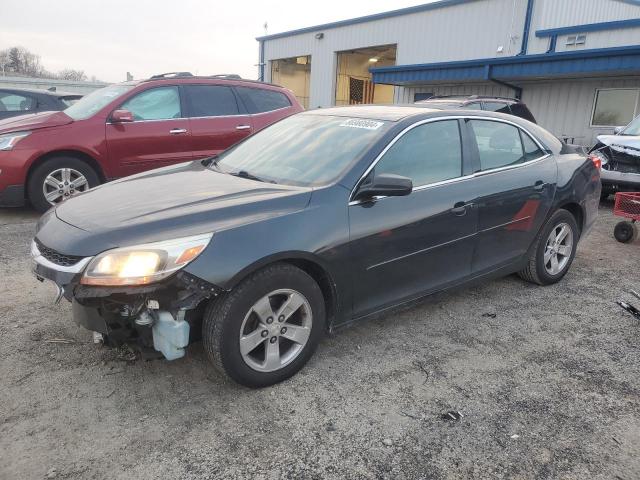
(66, 170)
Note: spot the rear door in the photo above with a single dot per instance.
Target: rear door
(514, 185)
(266, 106)
(158, 136)
(216, 119)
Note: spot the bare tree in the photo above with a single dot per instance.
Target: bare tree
(21, 61)
(71, 74)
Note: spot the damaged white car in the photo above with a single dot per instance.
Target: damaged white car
(620, 157)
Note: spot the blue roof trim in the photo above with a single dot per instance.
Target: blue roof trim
(589, 27)
(600, 60)
(368, 18)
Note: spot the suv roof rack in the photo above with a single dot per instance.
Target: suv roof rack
(230, 76)
(171, 75)
(473, 97)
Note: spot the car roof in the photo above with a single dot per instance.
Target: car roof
(391, 113)
(186, 77)
(40, 91)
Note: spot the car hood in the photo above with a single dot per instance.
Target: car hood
(629, 144)
(170, 202)
(33, 121)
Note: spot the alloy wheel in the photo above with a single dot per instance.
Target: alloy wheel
(62, 184)
(275, 330)
(558, 248)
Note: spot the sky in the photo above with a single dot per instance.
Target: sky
(106, 39)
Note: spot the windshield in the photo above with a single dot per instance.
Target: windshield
(87, 106)
(304, 149)
(633, 128)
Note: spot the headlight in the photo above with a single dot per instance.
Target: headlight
(602, 156)
(144, 264)
(8, 140)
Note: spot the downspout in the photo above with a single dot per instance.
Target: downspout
(527, 27)
(261, 61)
(517, 91)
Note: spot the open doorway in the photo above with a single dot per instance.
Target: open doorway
(353, 80)
(294, 74)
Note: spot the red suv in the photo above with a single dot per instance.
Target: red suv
(128, 128)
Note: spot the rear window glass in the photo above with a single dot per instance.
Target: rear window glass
(497, 107)
(210, 100)
(258, 100)
(499, 144)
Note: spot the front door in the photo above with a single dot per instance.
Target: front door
(404, 247)
(158, 136)
(513, 189)
(215, 119)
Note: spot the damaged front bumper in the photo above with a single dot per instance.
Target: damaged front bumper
(164, 316)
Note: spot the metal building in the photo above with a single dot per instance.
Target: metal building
(576, 63)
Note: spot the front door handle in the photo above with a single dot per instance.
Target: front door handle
(243, 127)
(460, 208)
(177, 131)
(540, 186)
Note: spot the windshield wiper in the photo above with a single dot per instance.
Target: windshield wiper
(250, 176)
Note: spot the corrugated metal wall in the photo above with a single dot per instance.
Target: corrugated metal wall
(451, 33)
(565, 13)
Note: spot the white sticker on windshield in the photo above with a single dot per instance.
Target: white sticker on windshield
(362, 123)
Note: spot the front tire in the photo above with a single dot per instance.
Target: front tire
(58, 179)
(553, 251)
(266, 329)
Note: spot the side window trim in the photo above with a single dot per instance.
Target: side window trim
(464, 130)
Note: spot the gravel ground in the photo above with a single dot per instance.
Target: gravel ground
(548, 381)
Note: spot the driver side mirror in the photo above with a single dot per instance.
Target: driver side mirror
(617, 130)
(385, 184)
(121, 116)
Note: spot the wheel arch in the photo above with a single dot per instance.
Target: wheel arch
(576, 210)
(308, 263)
(85, 157)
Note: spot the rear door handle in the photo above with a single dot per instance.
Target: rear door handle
(177, 131)
(540, 186)
(460, 208)
(243, 127)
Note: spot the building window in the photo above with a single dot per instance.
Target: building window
(575, 40)
(614, 107)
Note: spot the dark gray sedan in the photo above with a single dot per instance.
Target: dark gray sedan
(322, 219)
(22, 101)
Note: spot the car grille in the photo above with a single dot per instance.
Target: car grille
(57, 257)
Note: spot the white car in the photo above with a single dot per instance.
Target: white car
(620, 157)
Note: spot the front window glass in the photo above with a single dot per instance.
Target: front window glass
(614, 107)
(633, 128)
(303, 149)
(10, 102)
(95, 101)
(499, 144)
(160, 103)
(426, 154)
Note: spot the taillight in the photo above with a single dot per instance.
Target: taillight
(597, 161)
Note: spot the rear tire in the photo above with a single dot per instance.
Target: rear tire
(625, 232)
(71, 174)
(549, 260)
(243, 315)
